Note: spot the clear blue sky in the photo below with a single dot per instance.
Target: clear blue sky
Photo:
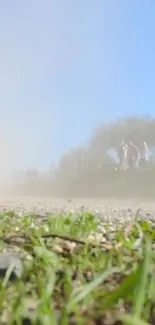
(68, 65)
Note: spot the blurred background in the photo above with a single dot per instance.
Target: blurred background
(76, 78)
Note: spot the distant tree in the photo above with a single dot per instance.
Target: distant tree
(73, 162)
(83, 161)
(132, 128)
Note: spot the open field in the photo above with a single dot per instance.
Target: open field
(107, 184)
(69, 262)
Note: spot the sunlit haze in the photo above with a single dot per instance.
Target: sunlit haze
(66, 66)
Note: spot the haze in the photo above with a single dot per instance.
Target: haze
(66, 66)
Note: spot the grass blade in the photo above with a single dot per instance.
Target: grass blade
(88, 288)
(124, 291)
(132, 320)
(142, 284)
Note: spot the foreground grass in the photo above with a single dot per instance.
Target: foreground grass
(77, 271)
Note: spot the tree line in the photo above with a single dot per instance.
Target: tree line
(96, 156)
(90, 170)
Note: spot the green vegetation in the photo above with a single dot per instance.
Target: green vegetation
(78, 269)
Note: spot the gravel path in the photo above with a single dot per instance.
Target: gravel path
(107, 207)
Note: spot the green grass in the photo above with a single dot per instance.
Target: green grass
(74, 275)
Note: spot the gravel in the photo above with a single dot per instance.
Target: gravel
(111, 210)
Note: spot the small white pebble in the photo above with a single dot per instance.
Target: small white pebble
(102, 229)
(58, 249)
(103, 240)
(98, 237)
(91, 238)
(112, 228)
(29, 258)
(69, 245)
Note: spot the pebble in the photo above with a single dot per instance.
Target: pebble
(6, 260)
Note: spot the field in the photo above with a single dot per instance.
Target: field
(76, 263)
(99, 183)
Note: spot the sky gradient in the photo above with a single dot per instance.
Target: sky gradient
(66, 66)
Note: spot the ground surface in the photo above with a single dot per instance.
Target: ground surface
(74, 267)
(49, 205)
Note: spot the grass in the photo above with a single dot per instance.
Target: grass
(78, 270)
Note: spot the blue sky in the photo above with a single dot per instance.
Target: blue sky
(68, 65)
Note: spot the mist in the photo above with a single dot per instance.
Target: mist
(67, 74)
